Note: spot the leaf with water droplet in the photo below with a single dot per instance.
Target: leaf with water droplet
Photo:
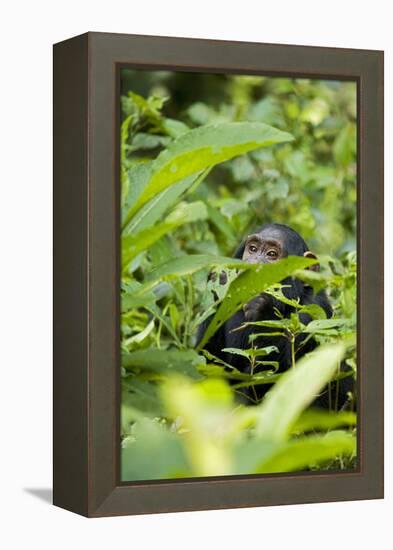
(202, 148)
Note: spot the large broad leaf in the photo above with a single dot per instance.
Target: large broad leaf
(137, 179)
(187, 265)
(295, 390)
(202, 148)
(206, 412)
(164, 361)
(157, 206)
(250, 284)
(132, 245)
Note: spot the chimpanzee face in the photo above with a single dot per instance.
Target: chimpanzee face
(273, 242)
(263, 250)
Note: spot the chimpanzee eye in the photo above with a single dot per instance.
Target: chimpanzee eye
(272, 254)
(252, 248)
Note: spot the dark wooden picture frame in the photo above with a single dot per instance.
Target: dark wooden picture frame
(86, 274)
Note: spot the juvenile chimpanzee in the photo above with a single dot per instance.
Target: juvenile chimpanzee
(269, 244)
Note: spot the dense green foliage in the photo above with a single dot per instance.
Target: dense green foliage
(204, 159)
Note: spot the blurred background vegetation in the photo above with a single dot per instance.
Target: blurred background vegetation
(180, 417)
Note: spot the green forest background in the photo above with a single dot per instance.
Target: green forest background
(205, 158)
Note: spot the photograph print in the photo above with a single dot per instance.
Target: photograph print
(238, 292)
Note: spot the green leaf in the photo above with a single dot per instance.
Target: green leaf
(144, 140)
(206, 411)
(164, 361)
(252, 352)
(266, 110)
(318, 419)
(157, 206)
(309, 451)
(164, 320)
(133, 295)
(322, 326)
(344, 147)
(149, 108)
(261, 378)
(295, 390)
(129, 301)
(188, 212)
(277, 323)
(250, 284)
(138, 177)
(132, 245)
(221, 223)
(317, 281)
(155, 453)
(140, 336)
(187, 265)
(203, 147)
(174, 128)
(200, 113)
(315, 111)
(162, 251)
(315, 311)
(139, 396)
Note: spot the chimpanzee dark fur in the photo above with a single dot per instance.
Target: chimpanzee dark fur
(269, 243)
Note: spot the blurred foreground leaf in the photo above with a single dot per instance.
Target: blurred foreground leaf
(267, 456)
(295, 390)
(155, 453)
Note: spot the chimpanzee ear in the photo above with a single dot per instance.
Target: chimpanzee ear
(309, 254)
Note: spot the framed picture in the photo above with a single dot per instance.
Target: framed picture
(218, 274)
